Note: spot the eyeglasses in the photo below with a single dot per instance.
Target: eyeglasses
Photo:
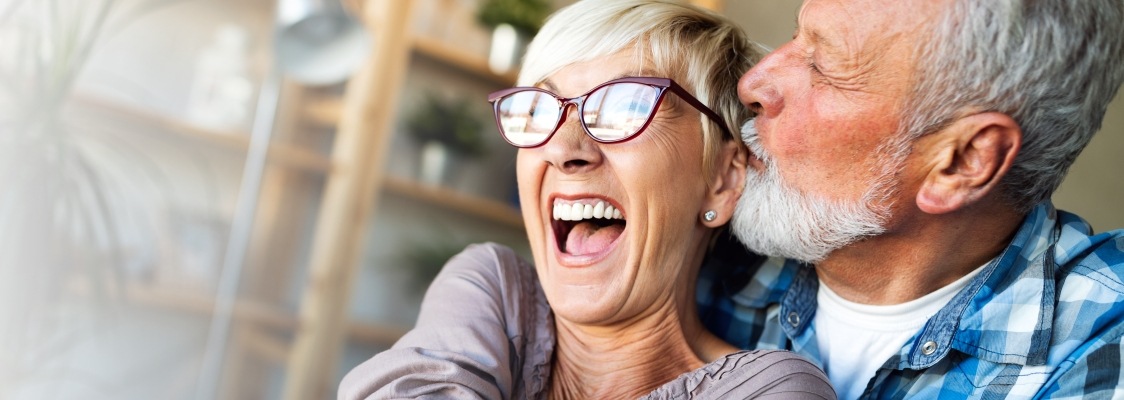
(614, 111)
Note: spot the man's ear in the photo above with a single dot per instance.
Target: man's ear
(726, 184)
(970, 157)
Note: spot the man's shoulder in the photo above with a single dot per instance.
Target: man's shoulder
(1089, 315)
(1090, 283)
(1090, 266)
(1096, 273)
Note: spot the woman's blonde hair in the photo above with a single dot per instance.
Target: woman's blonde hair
(702, 51)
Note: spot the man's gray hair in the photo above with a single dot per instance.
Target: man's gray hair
(1051, 65)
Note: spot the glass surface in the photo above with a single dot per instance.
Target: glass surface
(610, 113)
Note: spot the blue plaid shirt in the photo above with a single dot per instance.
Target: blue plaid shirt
(1042, 320)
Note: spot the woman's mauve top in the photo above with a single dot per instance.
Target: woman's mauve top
(486, 331)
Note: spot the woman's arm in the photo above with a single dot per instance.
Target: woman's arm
(484, 331)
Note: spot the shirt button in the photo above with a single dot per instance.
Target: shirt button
(929, 348)
(793, 318)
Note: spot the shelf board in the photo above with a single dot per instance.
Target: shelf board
(468, 61)
(326, 111)
(457, 201)
(322, 111)
(258, 314)
(281, 153)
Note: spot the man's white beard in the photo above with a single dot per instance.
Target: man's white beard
(775, 219)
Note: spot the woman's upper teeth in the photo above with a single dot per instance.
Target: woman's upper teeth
(578, 211)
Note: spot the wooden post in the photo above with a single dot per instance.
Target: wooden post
(350, 195)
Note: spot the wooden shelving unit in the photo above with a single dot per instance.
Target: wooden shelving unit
(326, 111)
(455, 57)
(279, 153)
(258, 314)
(457, 201)
(345, 183)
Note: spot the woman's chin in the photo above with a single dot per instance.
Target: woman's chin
(583, 286)
(594, 306)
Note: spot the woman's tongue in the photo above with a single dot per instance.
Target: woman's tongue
(589, 238)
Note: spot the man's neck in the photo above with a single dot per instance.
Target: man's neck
(919, 256)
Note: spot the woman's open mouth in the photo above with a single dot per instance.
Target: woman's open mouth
(586, 227)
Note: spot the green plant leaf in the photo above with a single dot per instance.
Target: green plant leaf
(526, 16)
(451, 122)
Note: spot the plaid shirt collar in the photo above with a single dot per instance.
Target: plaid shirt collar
(1004, 315)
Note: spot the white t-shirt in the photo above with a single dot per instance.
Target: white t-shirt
(856, 339)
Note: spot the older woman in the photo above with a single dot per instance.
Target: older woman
(627, 168)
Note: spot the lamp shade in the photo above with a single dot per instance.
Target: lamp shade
(317, 42)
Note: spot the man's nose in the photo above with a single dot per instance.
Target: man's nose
(757, 88)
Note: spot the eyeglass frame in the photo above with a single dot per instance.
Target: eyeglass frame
(578, 102)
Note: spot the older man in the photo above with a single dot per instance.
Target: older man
(905, 153)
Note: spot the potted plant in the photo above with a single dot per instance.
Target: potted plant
(513, 23)
(444, 128)
(63, 217)
(425, 259)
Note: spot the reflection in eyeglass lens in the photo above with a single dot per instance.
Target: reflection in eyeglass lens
(528, 117)
(617, 112)
(612, 113)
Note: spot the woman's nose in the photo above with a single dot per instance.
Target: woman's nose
(757, 88)
(571, 150)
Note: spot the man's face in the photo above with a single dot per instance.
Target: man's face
(827, 164)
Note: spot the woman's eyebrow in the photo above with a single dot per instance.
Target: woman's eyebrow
(549, 85)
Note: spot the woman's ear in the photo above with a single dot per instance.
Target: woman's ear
(971, 157)
(726, 184)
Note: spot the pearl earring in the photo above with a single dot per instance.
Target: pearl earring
(710, 215)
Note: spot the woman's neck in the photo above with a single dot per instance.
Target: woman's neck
(632, 358)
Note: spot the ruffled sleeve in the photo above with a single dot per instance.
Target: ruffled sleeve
(758, 374)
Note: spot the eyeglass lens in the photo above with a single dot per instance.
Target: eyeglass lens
(611, 113)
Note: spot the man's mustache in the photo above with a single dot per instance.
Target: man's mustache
(749, 136)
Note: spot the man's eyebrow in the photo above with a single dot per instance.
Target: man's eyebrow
(821, 41)
(815, 36)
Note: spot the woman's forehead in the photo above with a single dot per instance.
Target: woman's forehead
(579, 77)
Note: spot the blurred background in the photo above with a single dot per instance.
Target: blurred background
(243, 199)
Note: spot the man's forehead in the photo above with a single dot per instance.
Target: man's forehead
(827, 21)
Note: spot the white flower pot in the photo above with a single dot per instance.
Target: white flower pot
(507, 49)
(436, 160)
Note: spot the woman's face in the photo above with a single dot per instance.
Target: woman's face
(600, 271)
